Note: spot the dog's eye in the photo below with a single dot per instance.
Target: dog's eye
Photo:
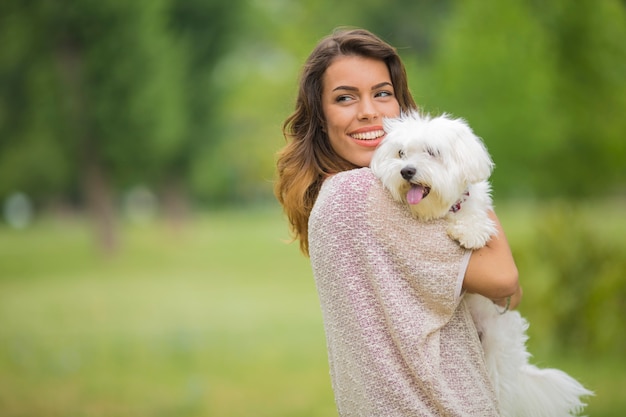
(432, 152)
(400, 153)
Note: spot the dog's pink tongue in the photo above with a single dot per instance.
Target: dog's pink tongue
(415, 194)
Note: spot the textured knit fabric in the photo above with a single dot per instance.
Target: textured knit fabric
(400, 339)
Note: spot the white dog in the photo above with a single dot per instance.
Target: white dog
(441, 169)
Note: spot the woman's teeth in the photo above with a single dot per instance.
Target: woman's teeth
(374, 134)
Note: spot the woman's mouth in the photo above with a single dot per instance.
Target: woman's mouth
(369, 135)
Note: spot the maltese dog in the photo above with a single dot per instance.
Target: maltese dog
(441, 169)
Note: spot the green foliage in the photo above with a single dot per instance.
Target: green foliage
(31, 153)
(196, 91)
(104, 88)
(590, 62)
(572, 264)
(500, 87)
(205, 31)
(539, 83)
(509, 68)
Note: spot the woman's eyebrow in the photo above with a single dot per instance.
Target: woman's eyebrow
(383, 84)
(345, 87)
(375, 87)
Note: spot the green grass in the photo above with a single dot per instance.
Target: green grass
(217, 318)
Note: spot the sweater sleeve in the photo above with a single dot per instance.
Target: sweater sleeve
(366, 232)
(422, 253)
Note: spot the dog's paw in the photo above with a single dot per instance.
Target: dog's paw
(468, 242)
(469, 237)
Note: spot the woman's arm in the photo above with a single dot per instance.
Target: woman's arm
(491, 271)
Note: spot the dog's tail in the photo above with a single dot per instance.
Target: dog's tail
(552, 393)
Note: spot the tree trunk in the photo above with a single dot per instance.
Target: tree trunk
(175, 204)
(100, 203)
(96, 186)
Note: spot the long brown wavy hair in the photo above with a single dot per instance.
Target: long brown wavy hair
(308, 157)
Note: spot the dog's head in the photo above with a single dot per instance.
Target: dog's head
(428, 162)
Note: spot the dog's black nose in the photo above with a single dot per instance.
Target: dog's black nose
(408, 173)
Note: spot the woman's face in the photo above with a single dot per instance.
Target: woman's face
(357, 93)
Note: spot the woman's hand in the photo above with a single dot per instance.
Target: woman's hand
(511, 302)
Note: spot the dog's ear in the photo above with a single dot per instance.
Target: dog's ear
(469, 151)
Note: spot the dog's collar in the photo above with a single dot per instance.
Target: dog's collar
(457, 206)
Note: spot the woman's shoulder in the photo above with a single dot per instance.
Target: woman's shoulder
(345, 191)
(357, 179)
(348, 186)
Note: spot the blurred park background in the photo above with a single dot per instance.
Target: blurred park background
(145, 268)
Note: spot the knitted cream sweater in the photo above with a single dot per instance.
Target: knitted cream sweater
(400, 339)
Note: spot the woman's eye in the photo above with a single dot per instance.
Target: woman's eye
(384, 94)
(341, 99)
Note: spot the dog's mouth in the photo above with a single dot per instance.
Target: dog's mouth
(417, 193)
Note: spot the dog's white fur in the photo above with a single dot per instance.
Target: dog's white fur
(442, 156)
(450, 161)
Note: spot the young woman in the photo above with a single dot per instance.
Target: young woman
(400, 339)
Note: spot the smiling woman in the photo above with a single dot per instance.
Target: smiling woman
(357, 94)
(338, 100)
(400, 339)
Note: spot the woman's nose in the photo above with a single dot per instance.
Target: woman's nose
(367, 110)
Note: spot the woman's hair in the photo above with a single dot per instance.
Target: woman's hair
(308, 157)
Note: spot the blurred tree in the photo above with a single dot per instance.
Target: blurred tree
(187, 96)
(31, 153)
(543, 84)
(413, 27)
(589, 58)
(573, 264)
(256, 78)
(493, 67)
(98, 86)
(206, 31)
